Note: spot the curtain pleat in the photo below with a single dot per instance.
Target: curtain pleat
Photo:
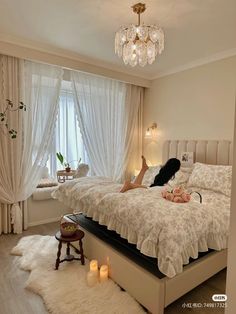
(6, 225)
(136, 149)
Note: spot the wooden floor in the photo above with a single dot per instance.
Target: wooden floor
(14, 299)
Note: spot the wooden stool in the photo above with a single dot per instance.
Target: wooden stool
(78, 236)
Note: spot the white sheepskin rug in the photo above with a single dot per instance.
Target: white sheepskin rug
(65, 291)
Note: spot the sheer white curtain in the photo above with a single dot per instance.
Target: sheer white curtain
(21, 167)
(67, 138)
(107, 113)
(135, 96)
(42, 89)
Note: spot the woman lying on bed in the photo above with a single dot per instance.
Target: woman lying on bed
(165, 174)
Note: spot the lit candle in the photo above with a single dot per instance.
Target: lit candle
(94, 265)
(103, 273)
(92, 278)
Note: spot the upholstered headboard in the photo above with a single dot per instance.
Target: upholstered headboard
(209, 152)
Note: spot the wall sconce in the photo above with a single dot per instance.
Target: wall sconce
(151, 131)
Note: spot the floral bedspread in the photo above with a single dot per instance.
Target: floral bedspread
(172, 232)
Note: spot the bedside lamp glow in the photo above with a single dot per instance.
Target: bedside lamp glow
(151, 131)
(148, 133)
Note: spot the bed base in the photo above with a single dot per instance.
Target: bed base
(153, 293)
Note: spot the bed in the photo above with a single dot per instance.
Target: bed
(172, 239)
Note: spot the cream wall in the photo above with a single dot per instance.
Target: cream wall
(193, 104)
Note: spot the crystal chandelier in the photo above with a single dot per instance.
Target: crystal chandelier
(139, 44)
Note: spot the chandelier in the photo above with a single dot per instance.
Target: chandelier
(139, 44)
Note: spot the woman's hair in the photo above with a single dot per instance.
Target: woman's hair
(167, 172)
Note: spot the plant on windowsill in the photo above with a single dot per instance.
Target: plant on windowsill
(67, 167)
(4, 125)
(64, 163)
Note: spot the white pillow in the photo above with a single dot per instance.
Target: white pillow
(211, 177)
(150, 174)
(81, 171)
(47, 182)
(181, 177)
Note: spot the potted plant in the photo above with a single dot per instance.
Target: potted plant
(63, 162)
(67, 167)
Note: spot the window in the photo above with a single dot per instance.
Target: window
(67, 137)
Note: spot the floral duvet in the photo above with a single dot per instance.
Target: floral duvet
(171, 232)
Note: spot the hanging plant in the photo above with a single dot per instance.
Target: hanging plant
(4, 125)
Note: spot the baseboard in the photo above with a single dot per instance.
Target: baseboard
(44, 221)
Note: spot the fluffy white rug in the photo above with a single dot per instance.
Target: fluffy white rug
(65, 291)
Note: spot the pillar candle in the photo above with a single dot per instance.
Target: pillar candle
(93, 265)
(92, 278)
(103, 273)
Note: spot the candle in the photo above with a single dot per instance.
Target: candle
(103, 273)
(92, 278)
(94, 265)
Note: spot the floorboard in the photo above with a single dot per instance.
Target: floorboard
(15, 299)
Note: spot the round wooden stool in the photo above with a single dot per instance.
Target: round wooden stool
(78, 236)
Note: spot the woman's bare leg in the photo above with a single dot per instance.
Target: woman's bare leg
(141, 174)
(130, 186)
(138, 181)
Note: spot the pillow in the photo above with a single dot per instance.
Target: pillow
(45, 183)
(211, 177)
(181, 177)
(81, 171)
(150, 174)
(43, 194)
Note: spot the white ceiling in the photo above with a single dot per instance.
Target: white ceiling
(196, 31)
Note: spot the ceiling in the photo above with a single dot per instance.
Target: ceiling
(196, 31)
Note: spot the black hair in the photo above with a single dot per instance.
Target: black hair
(167, 172)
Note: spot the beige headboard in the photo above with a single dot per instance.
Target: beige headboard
(209, 152)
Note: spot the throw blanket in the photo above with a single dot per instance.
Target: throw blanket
(172, 232)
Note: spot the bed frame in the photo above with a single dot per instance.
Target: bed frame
(153, 293)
